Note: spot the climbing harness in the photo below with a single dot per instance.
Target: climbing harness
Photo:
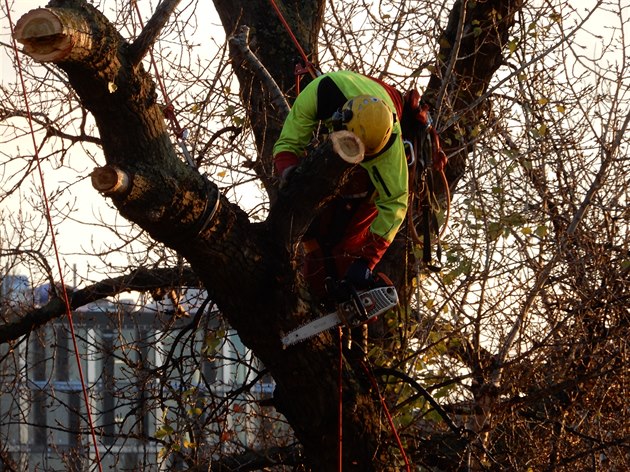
(63, 290)
(425, 159)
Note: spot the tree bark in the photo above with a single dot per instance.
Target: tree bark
(243, 266)
(248, 268)
(305, 18)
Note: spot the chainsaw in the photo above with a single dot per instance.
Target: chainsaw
(359, 309)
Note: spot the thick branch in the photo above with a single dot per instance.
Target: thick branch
(274, 48)
(53, 35)
(140, 280)
(312, 184)
(472, 45)
(473, 58)
(152, 30)
(167, 198)
(240, 43)
(110, 180)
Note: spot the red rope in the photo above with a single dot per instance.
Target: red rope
(390, 420)
(64, 292)
(309, 66)
(340, 398)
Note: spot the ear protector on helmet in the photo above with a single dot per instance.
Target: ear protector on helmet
(369, 118)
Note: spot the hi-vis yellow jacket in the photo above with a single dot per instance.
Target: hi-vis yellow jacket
(387, 170)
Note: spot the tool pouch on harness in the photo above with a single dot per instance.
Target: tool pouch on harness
(424, 157)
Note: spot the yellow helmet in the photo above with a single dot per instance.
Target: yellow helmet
(369, 118)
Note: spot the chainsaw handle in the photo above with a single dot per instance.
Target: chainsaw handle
(356, 299)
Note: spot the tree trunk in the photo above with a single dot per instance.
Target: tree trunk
(247, 267)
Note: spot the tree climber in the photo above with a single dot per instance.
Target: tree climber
(355, 229)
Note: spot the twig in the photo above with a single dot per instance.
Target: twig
(152, 30)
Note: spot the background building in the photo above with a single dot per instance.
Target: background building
(146, 369)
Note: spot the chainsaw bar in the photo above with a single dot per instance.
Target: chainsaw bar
(375, 301)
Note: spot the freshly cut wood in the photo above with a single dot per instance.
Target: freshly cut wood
(348, 146)
(53, 35)
(110, 180)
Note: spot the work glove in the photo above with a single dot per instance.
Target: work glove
(286, 175)
(360, 275)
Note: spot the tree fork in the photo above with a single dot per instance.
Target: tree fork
(237, 261)
(232, 256)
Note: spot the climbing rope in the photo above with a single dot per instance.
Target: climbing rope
(370, 375)
(306, 66)
(63, 290)
(427, 154)
(340, 386)
(390, 420)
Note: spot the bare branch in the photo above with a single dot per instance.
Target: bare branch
(152, 30)
(140, 280)
(241, 43)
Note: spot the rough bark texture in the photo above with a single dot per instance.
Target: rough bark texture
(247, 267)
(276, 51)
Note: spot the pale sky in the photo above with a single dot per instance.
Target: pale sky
(71, 236)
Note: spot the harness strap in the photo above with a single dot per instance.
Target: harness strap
(425, 156)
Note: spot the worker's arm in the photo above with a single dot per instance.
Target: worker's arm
(297, 130)
(388, 173)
